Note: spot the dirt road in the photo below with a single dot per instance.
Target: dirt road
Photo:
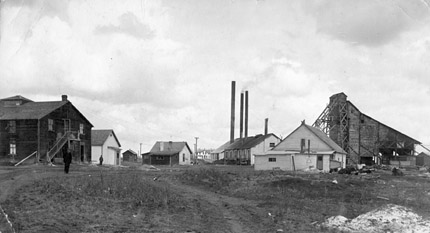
(227, 214)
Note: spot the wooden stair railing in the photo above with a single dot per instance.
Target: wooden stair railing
(57, 146)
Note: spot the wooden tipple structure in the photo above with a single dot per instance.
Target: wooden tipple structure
(365, 139)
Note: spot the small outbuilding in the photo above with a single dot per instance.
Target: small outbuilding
(104, 143)
(129, 155)
(423, 159)
(305, 148)
(168, 153)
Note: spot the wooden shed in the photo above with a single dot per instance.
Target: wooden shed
(423, 159)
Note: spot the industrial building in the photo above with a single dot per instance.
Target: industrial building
(366, 140)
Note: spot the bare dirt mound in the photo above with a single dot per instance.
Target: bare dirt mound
(390, 218)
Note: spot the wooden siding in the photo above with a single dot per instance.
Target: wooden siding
(27, 137)
(262, 147)
(367, 137)
(283, 162)
(293, 141)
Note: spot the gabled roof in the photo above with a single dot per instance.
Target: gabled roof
(131, 151)
(328, 141)
(169, 148)
(32, 110)
(320, 135)
(17, 97)
(222, 147)
(99, 136)
(248, 142)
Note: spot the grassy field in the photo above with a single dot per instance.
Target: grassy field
(204, 198)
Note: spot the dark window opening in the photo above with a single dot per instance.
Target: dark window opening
(272, 159)
(12, 126)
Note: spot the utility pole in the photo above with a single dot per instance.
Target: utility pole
(195, 154)
(140, 152)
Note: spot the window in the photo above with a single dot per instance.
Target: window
(272, 144)
(81, 128)
(50, 125)
(183, 157)
(159, 158)
(272, 159)
(12, 126)
(12, 147)
(66, 125)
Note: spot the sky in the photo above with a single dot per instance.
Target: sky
(162, 70)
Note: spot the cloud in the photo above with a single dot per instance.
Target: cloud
(129, 25)
(369, 23)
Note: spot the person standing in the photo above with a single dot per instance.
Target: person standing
(101, 160)
(67, 159)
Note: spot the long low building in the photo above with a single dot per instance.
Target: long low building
(242, 150)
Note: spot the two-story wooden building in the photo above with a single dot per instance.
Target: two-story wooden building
(43, 129)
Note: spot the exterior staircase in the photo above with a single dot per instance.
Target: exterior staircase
(58, 145)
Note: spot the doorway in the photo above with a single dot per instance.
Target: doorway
(320, 162)
(82, 152)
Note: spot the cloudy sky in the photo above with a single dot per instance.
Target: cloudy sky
(162, 70)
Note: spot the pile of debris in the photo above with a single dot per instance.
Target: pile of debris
(390, 218)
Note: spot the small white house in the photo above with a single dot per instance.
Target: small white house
(105, 143)
(305, 148)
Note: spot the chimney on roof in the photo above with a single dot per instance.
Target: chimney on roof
(161, 146)
(266, 125)
(64, 98)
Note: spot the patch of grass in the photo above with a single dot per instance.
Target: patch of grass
(104, 202)
(208, 177)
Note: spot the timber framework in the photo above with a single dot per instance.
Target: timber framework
(365, 139)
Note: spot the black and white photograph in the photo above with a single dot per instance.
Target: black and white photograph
(223, 116)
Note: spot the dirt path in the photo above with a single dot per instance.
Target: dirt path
(236, 215)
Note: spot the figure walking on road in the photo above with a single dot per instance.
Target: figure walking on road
(67, 158)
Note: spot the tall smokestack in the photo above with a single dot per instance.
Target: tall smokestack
(266, 124)
(246, 114)
(233, 93)
(241, 114)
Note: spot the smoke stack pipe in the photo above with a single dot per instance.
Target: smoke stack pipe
(266, 123)
(309, 146)
(246, 114)
(233, 93)
(241, 114)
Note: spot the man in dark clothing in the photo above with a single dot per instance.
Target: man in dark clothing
(67, 158)
(101, 160)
